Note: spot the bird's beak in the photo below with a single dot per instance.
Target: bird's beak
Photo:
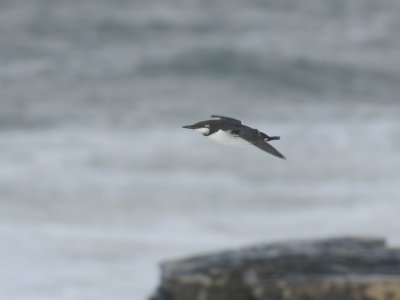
(188, 126)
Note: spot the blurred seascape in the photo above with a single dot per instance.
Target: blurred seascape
(98, 181)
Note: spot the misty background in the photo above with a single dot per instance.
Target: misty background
(98, 181)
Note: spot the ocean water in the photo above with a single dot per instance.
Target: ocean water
(98, 181)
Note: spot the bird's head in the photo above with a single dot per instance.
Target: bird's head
(202, 127)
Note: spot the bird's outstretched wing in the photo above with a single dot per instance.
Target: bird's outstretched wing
(227, 119)
(254, 137)
(268, 148)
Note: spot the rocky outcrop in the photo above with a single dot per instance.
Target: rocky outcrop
(342, 269)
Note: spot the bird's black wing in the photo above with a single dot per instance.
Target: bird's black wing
(268, 148)
(227, 119)
(255, 137)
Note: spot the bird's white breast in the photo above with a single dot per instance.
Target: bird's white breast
(225, 138)
(203, 130)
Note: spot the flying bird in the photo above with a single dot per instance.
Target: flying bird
(230, 131)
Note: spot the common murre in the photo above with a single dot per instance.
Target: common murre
(230, 131)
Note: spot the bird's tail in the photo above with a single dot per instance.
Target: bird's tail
(267, 137)
(272, 138)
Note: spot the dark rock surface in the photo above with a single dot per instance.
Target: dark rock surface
(341, 268)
